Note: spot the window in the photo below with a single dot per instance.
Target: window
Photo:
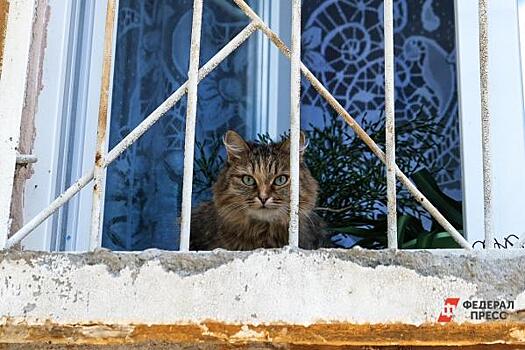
(506, 107)
(342, 45)
(288, 296)
(64, 142)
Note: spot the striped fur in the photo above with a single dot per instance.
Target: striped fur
(243, 217)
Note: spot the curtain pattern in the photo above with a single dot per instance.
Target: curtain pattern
(143, 194)
(342, 44)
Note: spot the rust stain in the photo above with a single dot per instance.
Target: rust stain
(100, 150)
(4, 11)
(329, 334)
(98, 159)
(106, 79)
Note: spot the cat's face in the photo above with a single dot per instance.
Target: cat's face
(256, 181)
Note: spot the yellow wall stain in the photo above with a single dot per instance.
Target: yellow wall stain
(323, 334)
(4, 10)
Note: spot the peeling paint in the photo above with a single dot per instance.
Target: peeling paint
(27, 126)
(15, 64)
(333, 334)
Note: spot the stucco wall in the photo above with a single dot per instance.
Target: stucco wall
(16, 58)
(326, 297)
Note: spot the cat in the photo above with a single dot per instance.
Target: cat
(250, 206)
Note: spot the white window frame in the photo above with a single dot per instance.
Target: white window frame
(71, 79)
(506, 108)
(273, 77)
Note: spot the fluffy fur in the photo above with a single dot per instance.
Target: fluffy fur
(250, 207)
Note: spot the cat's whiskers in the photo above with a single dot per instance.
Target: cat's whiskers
(231, 209)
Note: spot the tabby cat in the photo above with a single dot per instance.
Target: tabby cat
(250, 207)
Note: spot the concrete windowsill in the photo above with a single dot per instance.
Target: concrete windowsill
(325, 297)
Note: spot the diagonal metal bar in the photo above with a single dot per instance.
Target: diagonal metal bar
(390, 137)
(133, 136)
(51, 208)
(295, 123)
(485, 122)
(189, 136)
(177, 95)
(420, 198)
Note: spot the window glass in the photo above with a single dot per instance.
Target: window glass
(342, 43)
(143, 191)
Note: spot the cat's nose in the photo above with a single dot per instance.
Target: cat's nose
(263, 199)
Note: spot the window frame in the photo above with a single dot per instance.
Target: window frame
(469, 124)
(506, 99)
(72, 73)
(273, 78)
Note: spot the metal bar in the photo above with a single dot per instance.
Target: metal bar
(133, 135)
(390, 141)
(191, 114)
(26, 159)
(50, 209)
(177, 95)
(95, 240)
(485, 122)
(356, 127)
(295, 123)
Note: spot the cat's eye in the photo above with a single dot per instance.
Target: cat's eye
(280, 180)
(248, 180)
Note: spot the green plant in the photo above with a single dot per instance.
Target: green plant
(208, 163)
(410, 230)
(352, 179)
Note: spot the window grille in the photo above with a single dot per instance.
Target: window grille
(103, 160)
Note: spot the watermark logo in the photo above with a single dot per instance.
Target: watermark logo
(448, 310)
(489, 309)
(479, 309)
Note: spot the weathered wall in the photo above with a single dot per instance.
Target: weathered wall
(27, 125)
(15, 64)
(325, 297)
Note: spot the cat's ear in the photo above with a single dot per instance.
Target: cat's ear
(303, 143)
(235, 145)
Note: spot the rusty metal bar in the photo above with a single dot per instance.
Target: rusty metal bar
(133, 136)
(485, 122)
(191, 114)
(390, 141)
(356, 127)
(295, 123)
(100, 153)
